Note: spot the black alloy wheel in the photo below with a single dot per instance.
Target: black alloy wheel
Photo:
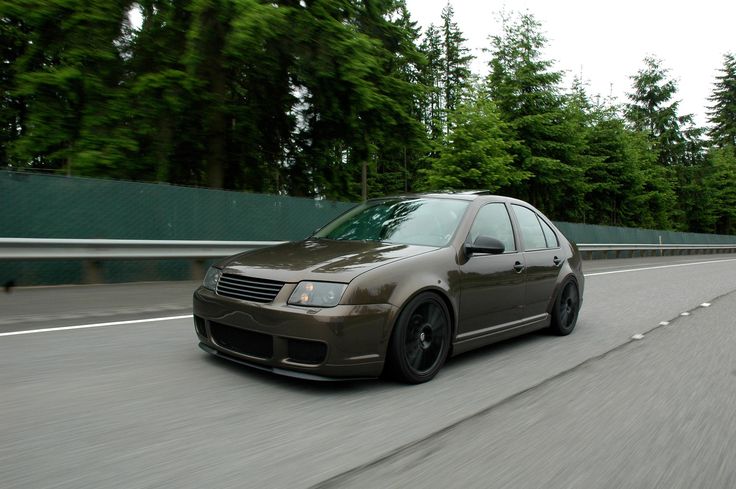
(565, 312)
(420, 340)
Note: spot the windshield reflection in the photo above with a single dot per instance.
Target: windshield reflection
(427, 222)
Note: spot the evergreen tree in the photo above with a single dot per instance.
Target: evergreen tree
(261, 55)
(164, 101)
(615, 175)
(431, 79)
(654, 200)
(624, 184)
(722, 114)
(696, 202)
(676, 142)
(269, 96)
(353, 68)
(70, 74)
(398, 152)
(208, 64)
(721, 182)
(456, 60)
(13, 38)
(527, 94)
(653, 111)
(446, 74)
(474, 154)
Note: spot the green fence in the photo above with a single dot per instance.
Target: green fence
(594, 234)
(46, 206)
(43, 206)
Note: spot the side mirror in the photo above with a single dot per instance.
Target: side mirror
(484, 244)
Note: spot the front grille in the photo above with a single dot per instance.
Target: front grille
(242, 341)
(248, 288)
(308, 352)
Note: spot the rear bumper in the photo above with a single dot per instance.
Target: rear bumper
(348, 341)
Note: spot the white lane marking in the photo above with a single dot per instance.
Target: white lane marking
(664, 323)
(657, 267)
(684, 313)
(705, 304)
(96, 325)
(638, 337)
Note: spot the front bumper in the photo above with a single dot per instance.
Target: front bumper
(346, 341)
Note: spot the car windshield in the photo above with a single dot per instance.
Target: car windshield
(421, 221)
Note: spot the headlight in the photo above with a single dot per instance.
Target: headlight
(319, 294)
(211, 278)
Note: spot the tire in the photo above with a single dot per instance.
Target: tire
(566, 309)
(420, 340)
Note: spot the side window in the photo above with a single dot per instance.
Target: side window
(531, 230)
(549, 235)
(493, 220)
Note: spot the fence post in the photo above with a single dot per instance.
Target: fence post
(197, 269)
(92, 273)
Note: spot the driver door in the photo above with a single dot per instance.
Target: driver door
(492, 286)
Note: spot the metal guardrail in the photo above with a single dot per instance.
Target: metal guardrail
(132, 249)
(590, 251)
(93, 251)
(121, 249)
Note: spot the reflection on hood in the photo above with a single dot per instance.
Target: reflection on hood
(337, 260)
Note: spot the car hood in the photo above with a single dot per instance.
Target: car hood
(319, 259)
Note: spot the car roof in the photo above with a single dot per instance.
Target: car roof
(469, 195)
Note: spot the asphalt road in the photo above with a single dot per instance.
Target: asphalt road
(138, 405)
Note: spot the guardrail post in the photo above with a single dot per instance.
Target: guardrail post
(92, 273)
(198, 269)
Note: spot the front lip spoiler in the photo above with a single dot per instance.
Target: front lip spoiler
(276, 370)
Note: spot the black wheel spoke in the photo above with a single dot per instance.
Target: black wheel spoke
(435, 318)
(434, 350)
(421, 361)
(414, 355)
(571, 304)
(438, 328)
(564, 316)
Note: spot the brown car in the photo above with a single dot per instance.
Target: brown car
(396, 284)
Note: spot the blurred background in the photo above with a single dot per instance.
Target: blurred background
(347, 99)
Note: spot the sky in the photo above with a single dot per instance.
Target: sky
(607, 41)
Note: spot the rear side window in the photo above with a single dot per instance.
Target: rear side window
(531, 230)
(549, 235)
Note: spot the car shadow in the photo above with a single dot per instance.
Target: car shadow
(306, 386)
(499, 349)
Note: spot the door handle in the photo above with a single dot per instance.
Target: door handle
(557, 261)
(518, 267)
